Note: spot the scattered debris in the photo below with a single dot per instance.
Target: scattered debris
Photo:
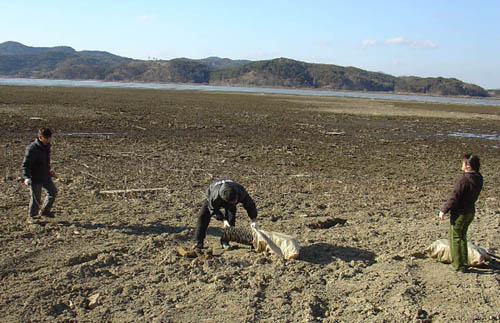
(186, 253)
(133, 190)
(335, 133)
(93, 300)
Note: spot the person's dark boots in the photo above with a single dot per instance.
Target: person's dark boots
(198, 245)
(47, 214)
(32, 220)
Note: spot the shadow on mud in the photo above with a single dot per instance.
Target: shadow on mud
(492, 268)
(148, 229)
(215, 231)
(323, 253)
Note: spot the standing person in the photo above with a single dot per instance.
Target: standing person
(223, 193)
(38, 174)
(461, 206)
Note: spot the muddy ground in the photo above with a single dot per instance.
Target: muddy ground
(384, 166)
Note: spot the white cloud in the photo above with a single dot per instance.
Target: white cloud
(369, 42)
(397, 41)
(401, 41)
(424, 44)
(418, 44)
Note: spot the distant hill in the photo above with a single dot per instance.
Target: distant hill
(18, 60)
(494, 92)
(222, 63)
(14, 48)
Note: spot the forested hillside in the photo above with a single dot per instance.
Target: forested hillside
(18, 60)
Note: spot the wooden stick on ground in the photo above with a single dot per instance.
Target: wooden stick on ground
(133, 190)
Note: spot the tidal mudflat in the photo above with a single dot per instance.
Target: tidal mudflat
(379, 165)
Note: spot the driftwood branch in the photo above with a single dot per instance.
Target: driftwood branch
(133, 190)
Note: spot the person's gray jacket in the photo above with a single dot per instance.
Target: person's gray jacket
(215, 201)
(36, 162)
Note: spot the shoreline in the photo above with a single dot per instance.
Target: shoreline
(271, 90)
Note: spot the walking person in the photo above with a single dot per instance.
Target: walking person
(226, 194)
(461, 206)
(38, 174)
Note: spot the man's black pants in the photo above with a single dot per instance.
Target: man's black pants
(204, 220)
(36, 194)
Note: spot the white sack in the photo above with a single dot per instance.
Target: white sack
(440, 250)
(281, 244)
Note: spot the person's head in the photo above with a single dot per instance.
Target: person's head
(470, 163)
(228, 194)
(44, 135)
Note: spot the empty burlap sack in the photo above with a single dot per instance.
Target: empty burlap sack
(281, 244)
(440, 250)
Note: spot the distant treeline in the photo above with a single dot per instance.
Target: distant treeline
(18, 60)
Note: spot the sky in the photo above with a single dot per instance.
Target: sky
(458, 39)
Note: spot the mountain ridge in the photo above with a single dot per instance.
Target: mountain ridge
(64, 62)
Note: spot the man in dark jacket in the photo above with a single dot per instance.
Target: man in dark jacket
(38, 174)
(223, 193)
(461, 206)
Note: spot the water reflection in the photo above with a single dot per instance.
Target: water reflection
(471, 135)
(85, 134)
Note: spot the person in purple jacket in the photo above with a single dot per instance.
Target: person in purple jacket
(461, 207)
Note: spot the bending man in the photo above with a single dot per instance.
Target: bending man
(223, 193)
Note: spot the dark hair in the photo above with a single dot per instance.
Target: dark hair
(227, 193)
(45, 132)
(472, 161)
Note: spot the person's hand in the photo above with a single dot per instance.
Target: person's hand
(254, 225)
(52, 173)
(27, 182)
(441, 215)
(219, 217)
(226, 224)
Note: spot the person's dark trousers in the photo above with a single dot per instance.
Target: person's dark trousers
(204, 220)
(36, 194)
(459, 223)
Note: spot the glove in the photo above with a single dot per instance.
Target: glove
(441, 215)
(254, 225)
(226, 224)
(27, 182)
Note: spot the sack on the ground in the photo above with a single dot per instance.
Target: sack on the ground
(440, 250)
(262, 240)
(281, 244)
(239, 235)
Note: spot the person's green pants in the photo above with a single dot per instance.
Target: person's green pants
(459, 223)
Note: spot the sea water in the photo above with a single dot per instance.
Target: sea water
(213, 88)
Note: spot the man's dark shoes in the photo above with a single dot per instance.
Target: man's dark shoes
(48, 214)
(198, 245)
(32, 220)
